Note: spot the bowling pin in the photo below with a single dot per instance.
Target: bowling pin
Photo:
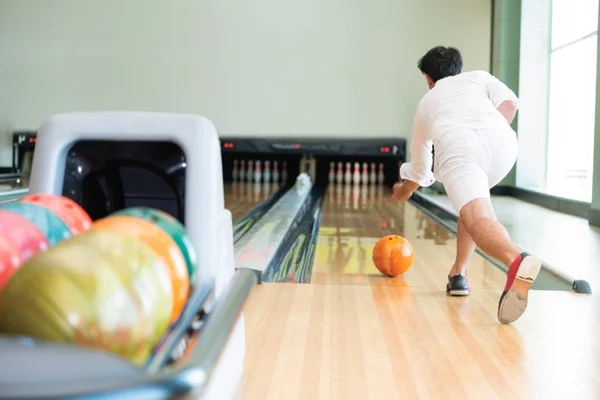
(250, 172)
(365, 173)
(234, 172)
(276, 172)
(348, 175)
(356, 174)
(373, 175)
(380, 176)
(284, 172)
(331, 172)
(340, 173)
(257, 172)
(267, 173)
(242, 172)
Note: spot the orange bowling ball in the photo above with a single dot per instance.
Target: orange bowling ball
(393, 255)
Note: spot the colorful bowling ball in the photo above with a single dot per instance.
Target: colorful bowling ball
(76, 218)
(141, 271)
(393, 255)
(51, 226)
(9, 260)
(23, 234)
(174, 229)
(160, 243)
(73, 294)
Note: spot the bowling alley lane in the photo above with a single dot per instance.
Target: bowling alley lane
(243, 197)
(354, 334)
(355, 217)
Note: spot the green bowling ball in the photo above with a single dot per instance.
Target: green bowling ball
(51, 226)
(173, 228)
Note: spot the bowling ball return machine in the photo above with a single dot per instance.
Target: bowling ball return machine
(108, 161)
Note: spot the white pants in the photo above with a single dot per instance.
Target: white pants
(470, 162)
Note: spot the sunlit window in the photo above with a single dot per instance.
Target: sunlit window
(572, 98)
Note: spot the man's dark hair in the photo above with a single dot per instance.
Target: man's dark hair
(441, 62)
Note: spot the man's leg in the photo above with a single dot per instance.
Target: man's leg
(458, 281)
(472, 162)
(465, 247)
(479, 218)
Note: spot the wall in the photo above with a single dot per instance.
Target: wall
(343, 68)
(506, 55)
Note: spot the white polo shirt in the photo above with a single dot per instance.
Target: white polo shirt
(468, 100)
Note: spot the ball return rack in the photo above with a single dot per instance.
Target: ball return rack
(106, 161)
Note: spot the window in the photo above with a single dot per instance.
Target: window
(572, 99)
(558, 88)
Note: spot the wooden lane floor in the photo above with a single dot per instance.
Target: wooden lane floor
(355, 218)
(242, 197)
(318, 341)
(351, 334)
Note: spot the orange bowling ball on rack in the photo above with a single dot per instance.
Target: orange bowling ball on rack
(393, 255)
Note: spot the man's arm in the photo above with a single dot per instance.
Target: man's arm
(503, 98)
(419, 170)
(508, 109)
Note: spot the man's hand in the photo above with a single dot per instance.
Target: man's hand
(403, 191)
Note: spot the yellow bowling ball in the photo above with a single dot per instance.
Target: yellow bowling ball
(142, 272)
(74, 294)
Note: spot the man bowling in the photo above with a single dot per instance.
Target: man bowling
(466, 116)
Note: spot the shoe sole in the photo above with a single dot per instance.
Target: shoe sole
(514, 302)
(457, 292)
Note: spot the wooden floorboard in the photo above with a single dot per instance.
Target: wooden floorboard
(313, 341)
